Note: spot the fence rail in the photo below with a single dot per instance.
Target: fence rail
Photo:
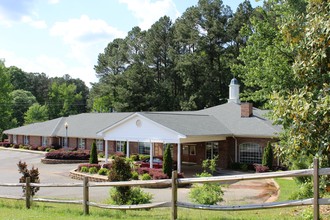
(174, 182)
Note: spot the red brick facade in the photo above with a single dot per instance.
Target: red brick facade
(229, 149)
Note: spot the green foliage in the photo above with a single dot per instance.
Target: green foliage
(303, 192)
(146, 176)
(135, 196)
(63, 100)
(36, 113)
(210, 164)
(304, 112)
(33, 174)
(92, 170)
(19, 109)
(268, 156)
(206, 193)
(93, 156)
(84, 169)
(6, 99)
(120, 171)
(167, 162)
(135, 175)
(103, 172)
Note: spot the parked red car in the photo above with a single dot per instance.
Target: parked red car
(157, 163)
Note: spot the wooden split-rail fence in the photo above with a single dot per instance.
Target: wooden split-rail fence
(316, 201)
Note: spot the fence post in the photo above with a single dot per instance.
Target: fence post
(316, 205)
(174, 211)
(27, 193)
(85, 196)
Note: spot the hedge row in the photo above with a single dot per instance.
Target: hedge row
(68, 155)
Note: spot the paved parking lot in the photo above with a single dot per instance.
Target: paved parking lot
(236, 193)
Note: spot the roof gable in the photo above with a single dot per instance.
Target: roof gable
(137, 127)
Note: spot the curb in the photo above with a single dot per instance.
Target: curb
(23, 150)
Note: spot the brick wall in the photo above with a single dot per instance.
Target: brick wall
(35, 141)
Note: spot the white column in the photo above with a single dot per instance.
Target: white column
(127, 149)
(179, 157)
(151, 155)
(106, 151)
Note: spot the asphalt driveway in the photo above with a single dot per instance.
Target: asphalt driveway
(236, 193)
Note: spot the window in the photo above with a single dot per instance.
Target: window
(14, 139)
(44, 141)
(120, 145)
(212, 149)
(26, 140)
(250, 153)
(192, 149)
(144, 148)
(81, 143)
(99, 145)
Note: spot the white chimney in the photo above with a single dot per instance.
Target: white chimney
(234, 91)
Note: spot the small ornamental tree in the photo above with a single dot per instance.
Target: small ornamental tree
(268, 156)
(33, 174)
(167, 162)
(120, 171)
(93, 156)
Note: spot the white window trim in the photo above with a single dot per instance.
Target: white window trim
(255, 151)
(26, 140)
(99, 145)
(82, 143)
(44, 141)
(14, 139)
(120, 145)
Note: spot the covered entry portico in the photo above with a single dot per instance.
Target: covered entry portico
(139, 128)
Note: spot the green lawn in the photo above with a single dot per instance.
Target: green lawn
(12, 210)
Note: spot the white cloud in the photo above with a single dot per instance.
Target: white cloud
(84, 30)
(148, 12)
(86, 38)
(39, 24)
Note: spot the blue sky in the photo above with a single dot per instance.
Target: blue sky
(60, 37)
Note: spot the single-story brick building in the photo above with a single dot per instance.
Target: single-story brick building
(236, 132)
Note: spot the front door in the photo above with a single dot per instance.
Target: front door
(189, 153)
(212, 150)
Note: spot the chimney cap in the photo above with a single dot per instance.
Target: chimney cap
(234, 81)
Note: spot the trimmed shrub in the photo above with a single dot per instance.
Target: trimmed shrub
(92, 170)
(146, 176)
(68, 155)
(143, 157)
(167, 162)
(100, 155)
(135, 175)
(33, 148)
(135, 157)
(120, 171)
(268, 156)
(42, 148)
(93, 156)
(103, 172)
(84, 169)
(134, 196)
(97, 166)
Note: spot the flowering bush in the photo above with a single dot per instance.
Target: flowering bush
(68, 155)
(260, 168)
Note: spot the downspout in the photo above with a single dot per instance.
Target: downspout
(236, 149)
